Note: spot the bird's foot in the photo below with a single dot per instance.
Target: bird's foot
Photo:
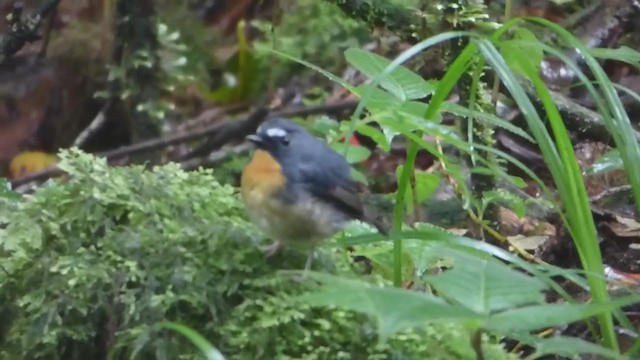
(307, 268)
(271, 249)
(307, 264)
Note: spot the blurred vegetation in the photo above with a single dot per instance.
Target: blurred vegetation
(95, 262)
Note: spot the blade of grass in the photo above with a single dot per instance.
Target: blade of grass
(619, 123)
(565, 171)
(208, 350)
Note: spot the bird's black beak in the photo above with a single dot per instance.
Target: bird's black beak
(257, 140)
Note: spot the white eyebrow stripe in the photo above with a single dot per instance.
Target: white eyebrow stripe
(276, 132)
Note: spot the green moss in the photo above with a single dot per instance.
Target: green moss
(91, 264)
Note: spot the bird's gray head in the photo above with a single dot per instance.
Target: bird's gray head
(280, 137)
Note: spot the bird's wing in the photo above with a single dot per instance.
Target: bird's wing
(347, 200)
(330, 179)
(345, 197)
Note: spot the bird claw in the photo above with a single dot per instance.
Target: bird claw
(307, 264)
(307, 268)
(271, 249)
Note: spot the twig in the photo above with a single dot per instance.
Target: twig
(610, 192)
(216, 157)
(230, 133)
(47, 34)
(96, 124)
(162, 142)
(113, 87)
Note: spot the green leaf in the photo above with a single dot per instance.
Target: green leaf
(430, 233)
(486, 117)
(623, 53)
(608, 162)
(522, 43)
(375, 134)
(426, 184)
(415, 108)
(382, 259)
(394, 309)
(518, 181)
(569, 347)
(481, 283)
(6, 192)
(354, 153)
(401, 82)
(541, 316)
(359, 176)
(208, 350)
(375, 99)
(325, 125)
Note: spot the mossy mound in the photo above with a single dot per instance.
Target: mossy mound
(91, 264)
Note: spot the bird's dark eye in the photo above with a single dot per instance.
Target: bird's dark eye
(285, 141)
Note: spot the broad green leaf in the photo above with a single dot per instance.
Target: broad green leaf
(354, 153)
(415, 108)
(568, 346)
(401, 82)
(430, 233)
(481, 283)
(418, 109)
(377, 100)
(381, 256)
(375, 134)
(208, 350)
(325, 125)
(541, 316)
(395, 309)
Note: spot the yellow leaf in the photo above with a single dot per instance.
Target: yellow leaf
(30, 161)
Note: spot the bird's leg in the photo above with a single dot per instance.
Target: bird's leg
(271, 249)
(307, 264)
(307, 267)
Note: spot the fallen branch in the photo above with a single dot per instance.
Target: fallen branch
(583, 121)
(233, 131)
(95, 125)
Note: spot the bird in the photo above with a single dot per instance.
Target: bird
(298, 190)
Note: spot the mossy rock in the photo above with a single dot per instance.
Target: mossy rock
(91, 264)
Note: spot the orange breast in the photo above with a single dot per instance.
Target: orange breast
(261, 177)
